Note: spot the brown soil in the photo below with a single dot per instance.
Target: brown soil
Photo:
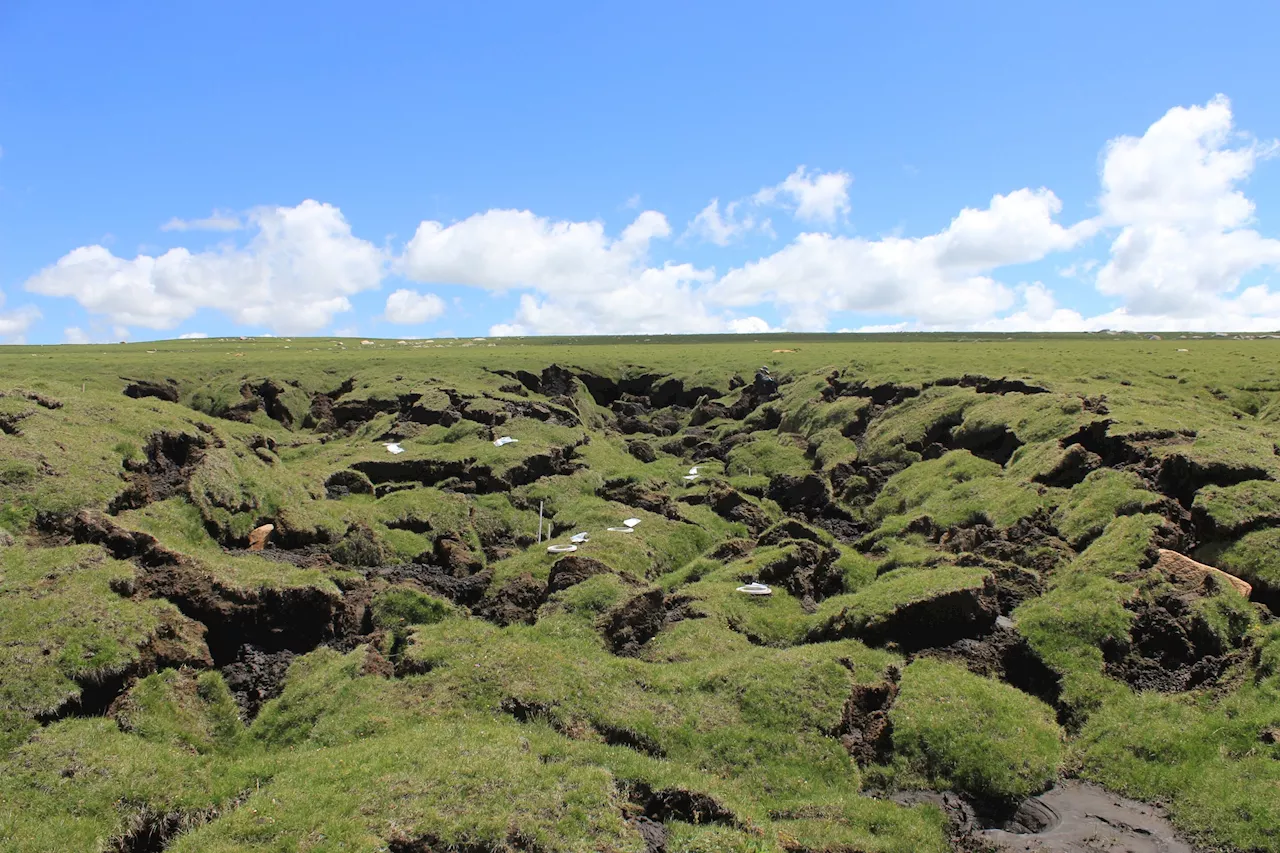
(644, 496)
(139, 388)
(1032, 543)
(642, 450)
(1170, 647)
(571, 570)
(931, 623)
(633, 623)
(807, 571)
(170, 460)
(517, 601)
(1005, 655)
(865, 729)
(255, 677)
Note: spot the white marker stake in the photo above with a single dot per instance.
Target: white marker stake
(539, 522)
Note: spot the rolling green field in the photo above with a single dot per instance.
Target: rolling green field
(967, 537)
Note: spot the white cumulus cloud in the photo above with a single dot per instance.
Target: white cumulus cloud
(217, 221)
(14, 324)
(410, 307)
(1185, 241)
(939, 278)
(293, 276)
(750, 326)
(813, 197)
(192, 336)
(724, 228)
(582, 280)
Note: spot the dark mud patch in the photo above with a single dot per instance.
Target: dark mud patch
(665, 804)
(1032, 542)
(256, 677)
(934, 622)
(615, 735)
(467, 591)
(141, 388)
(636, 621)
(1005, 655)
(731, 505)
(431, 843)
(805, 495)
(865, 729)
(809, 497)
(644, 496)
(642, 450)
(963, 823)
(1171, 647)
(984, 385)
(807, 571)
(652, 834)
(148, 830)
(529, 711)
(1077, 817)
(466, 476)
(516, 602)
(572, 570)
(169, 460)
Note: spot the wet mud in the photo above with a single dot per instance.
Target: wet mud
(1077, 817)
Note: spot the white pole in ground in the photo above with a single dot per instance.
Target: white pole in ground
(539, 521)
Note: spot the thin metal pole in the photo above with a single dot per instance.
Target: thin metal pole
(539, 522)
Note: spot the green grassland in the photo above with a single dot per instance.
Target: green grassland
(964, 527)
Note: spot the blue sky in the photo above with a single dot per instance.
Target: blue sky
(564, 158)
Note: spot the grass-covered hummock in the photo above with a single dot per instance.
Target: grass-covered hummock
(973, 734)
(406, 667)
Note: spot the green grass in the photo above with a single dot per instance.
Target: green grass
(869, 607)
(956, 489)
(1093, 503)
(43, 653)
(1254, 557)
(518, 736)
(974, 734)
